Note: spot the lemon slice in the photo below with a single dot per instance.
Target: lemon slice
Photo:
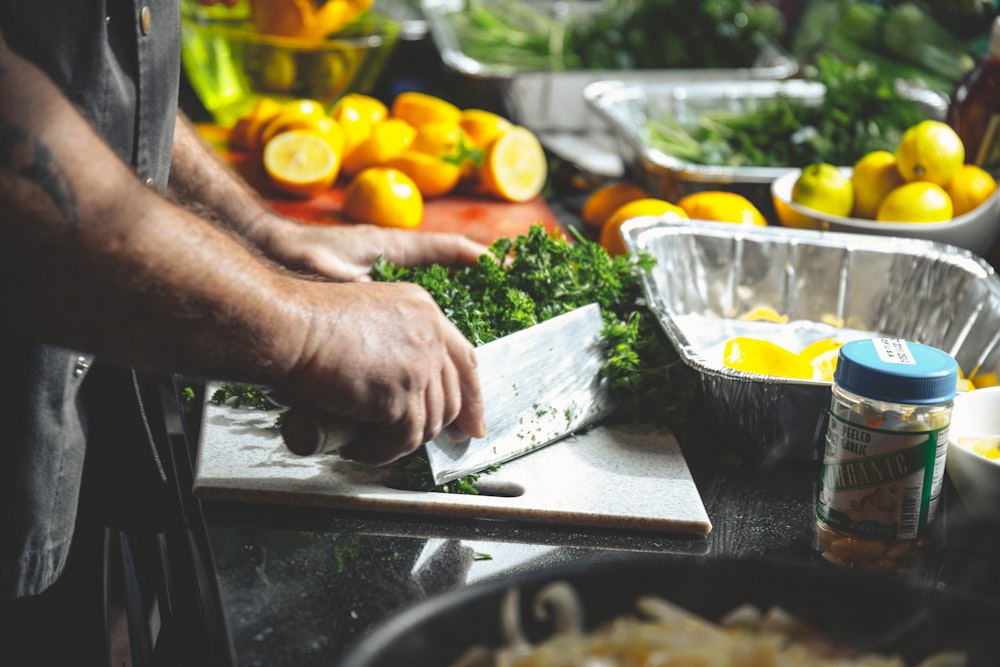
(301, 162)
(762, 357)
(514, 168)
(765, 314)
(822, 356)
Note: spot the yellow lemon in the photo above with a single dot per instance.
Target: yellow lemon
(387, 138)
(301, 163)
(722, 206)
(245, 134)
(442, 139)
(762, 357)
(603, 201)
(969, 188)
(433, 176)
(356, 114)
(300, 114)
(930, 151)
(483, 127)
(980, 380)
(917, 201)
(611, 238)
(418, 108)
(874, 176)
(824, 188)
(385, 197)
(514, 167)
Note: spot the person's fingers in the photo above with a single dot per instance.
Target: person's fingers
(385, 443)
(471, 419)
(434, 407)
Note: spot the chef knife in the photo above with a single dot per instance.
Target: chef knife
(539, 385)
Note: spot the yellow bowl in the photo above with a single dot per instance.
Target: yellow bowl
(231, 66)
(975, 230)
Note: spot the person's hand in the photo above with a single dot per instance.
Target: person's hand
(383, 354)
(346, 252)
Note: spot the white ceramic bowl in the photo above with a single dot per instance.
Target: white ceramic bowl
(975, 230)
(976, 478)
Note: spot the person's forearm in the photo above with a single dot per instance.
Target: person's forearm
(94, 260)
(199, 176)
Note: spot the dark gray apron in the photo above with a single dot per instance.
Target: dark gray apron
(118, 61)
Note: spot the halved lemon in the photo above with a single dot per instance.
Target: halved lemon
(514, 167)
(483, 127)
(301, 162)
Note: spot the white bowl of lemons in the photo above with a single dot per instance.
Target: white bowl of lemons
(973, 461)
(922, 190)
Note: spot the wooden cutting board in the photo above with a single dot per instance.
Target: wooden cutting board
(611, 477)
(480, 218)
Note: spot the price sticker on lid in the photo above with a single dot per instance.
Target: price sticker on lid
(893, 351)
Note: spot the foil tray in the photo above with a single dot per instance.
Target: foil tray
(711, 277)
(626, 106)
(550, 101)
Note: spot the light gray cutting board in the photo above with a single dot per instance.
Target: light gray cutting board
(612, 476)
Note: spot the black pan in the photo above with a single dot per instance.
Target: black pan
(884, 613)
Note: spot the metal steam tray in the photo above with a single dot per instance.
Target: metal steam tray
(709, 277)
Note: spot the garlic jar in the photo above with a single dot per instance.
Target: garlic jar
(884, 456)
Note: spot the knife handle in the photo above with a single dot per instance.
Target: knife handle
(308, 432)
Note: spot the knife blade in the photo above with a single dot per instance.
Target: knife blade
(538, 384)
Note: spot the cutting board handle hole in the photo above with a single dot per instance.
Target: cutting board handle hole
(499, 488)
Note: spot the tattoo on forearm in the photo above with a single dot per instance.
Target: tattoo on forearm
(34, 161)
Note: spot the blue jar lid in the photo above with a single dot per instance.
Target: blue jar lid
(897, 371)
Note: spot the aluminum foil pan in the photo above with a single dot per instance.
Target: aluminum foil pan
(710, 277)
(548, 99)
(627, 106)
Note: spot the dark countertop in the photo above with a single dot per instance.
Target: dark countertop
(296, 586)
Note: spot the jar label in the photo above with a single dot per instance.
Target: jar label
(880, 484)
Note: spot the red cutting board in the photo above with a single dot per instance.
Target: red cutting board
(479, 217)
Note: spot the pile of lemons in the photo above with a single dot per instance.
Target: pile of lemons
(391, 158)
(924, 180)
(611, 204)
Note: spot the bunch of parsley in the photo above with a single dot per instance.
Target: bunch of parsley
(539, 275)
(530, 279)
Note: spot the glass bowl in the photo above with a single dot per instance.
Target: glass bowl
(231, 66)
